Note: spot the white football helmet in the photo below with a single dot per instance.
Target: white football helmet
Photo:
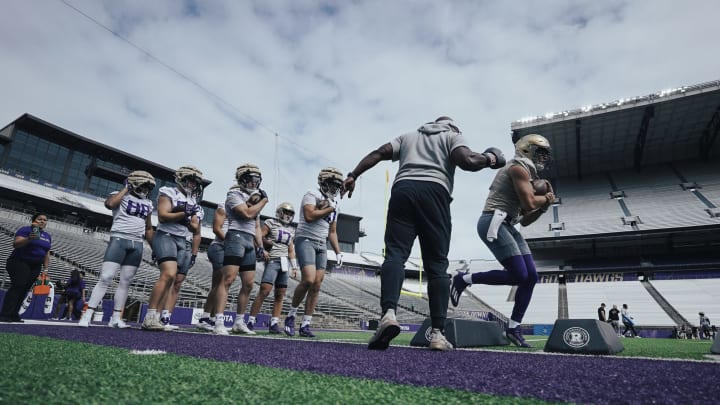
(189, 180)
(248, 177)
(141, 183)
(330, 181)
(536, 148)
(285, 213)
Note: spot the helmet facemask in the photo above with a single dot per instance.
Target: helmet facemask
(331, 187)
(250, 182)
(190, 185)
(142, 191)
(541, 157)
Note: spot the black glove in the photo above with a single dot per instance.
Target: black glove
(495, 157)
(259, 253)
(192, 260)
(263, 194)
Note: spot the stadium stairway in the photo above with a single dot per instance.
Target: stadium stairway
(563, 312)
(664, 304)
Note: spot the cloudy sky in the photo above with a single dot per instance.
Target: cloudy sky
(294, 86)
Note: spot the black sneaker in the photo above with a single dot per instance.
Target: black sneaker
(457, 287)
(516, 337)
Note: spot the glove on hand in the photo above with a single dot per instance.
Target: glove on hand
(495, 157)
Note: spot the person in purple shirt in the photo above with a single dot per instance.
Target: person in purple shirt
(31, 254)
(74, 293)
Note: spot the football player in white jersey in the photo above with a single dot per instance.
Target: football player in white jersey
(317, 223)
(132, 213)
(193, 240)
(215, 254)
(243, 243)
(178, 219)
(281, 259)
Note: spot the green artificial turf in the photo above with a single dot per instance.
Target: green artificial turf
(39, 370)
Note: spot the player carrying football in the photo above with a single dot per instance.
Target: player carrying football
(243, 244)
(317, 224)
(512, 199)
(178, 209)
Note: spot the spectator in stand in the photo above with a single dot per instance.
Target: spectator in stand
(30, 255)
(601, 312)
(614, 319)
(704, 326)
(628, 321)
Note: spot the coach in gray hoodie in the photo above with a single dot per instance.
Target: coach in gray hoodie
(420, 207)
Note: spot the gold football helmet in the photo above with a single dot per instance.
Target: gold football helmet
(536, 148)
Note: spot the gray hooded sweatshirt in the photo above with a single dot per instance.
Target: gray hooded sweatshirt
(424, 155)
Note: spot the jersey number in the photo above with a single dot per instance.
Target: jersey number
(283, 237)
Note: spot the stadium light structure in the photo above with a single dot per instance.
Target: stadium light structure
(669, 92)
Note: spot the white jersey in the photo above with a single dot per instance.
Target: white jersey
(281, 236)
(317, 230)
(235, 197)
(176, 197)
(130, 216)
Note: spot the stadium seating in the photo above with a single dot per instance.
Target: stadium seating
(585, 298)
(654, 195)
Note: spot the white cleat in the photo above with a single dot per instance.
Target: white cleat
(151, 323)
(220, 330)
(119, 324)
(86, 318)
(438, 341)
(169, 328)
(241, 328)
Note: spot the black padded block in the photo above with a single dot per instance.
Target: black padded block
(464, 333)
(583, 336)
(716, 344)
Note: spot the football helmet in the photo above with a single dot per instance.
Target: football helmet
(285, 213)
(248, 177)
(189, 180)
(141, 183)
(330, 181)
(536, 148)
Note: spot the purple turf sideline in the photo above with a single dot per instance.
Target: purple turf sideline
(580, 379)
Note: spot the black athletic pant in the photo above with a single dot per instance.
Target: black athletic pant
(418, 209)
(22, 277)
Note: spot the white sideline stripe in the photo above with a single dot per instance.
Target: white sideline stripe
(148, 352)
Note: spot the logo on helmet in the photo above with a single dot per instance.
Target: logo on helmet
(330, 181)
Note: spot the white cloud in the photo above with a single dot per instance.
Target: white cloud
(336, 79)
